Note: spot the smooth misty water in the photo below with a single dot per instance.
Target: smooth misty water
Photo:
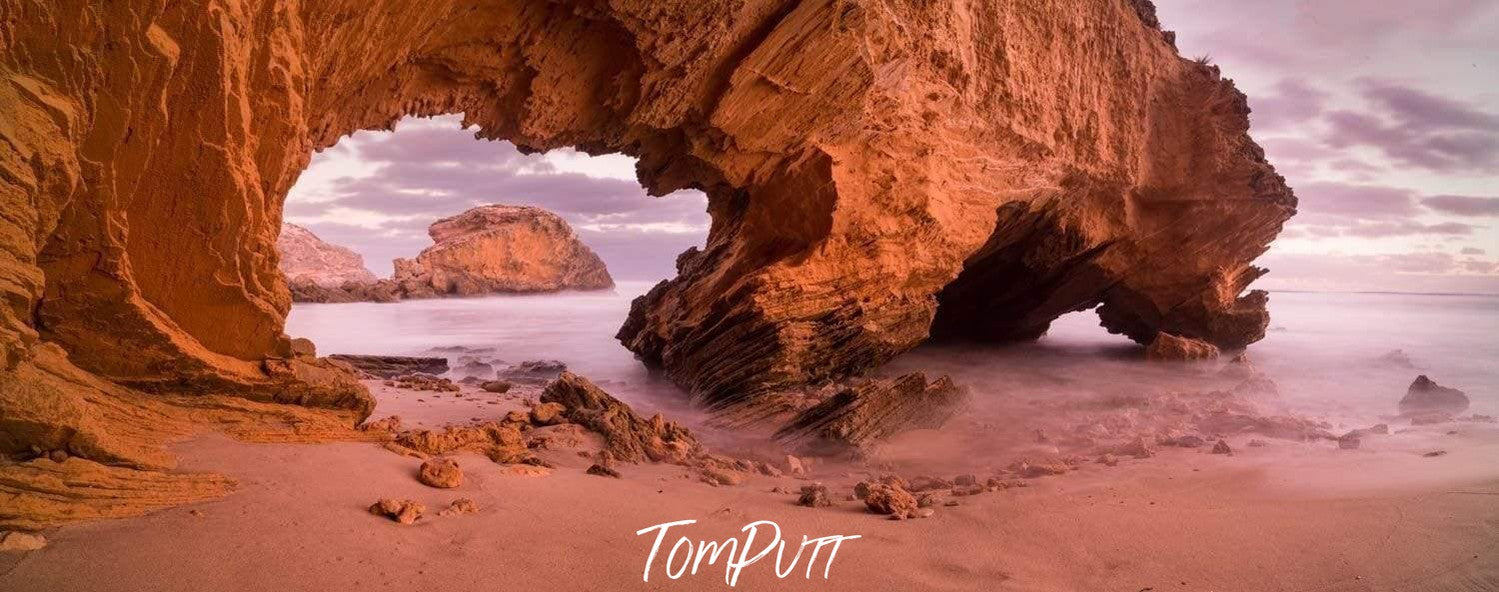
(1324, 349)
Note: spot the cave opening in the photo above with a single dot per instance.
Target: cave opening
(475, 250)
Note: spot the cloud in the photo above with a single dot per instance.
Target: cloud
(1420, 110)
(1463, 205)
(1425, 272)
(1293, 102)
(1416, 128)
(1330, 202)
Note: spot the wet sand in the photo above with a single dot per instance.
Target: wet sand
(1288, 516)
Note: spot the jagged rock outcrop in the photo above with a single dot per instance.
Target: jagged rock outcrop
(317, 271)
(500, 249)
(628, 436)
(877, 173)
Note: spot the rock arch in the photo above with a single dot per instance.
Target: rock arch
(871, 166)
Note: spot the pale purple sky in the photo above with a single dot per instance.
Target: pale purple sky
(1384, 117)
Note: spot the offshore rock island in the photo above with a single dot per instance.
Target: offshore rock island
(494, 249)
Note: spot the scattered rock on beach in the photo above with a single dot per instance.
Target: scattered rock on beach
(815, 495)
(404, 511)
(1137, 448)
(1435, 453)
(424, 382)
(534, 371)
(603, 469)
(717, 476)
(1349, 441)
(1108, 460)
(17, 542)
(393, 366)
(441, 472)
(1174, 348)
(1425, 395)
(627, 436)
(495, 386)
(795, 467)
(890, 498)
(1222, 447)
(459, 507)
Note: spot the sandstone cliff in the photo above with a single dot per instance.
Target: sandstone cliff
(500, 249)
(878, 173)
(317, 271)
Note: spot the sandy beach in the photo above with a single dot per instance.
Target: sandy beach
(1286, 516)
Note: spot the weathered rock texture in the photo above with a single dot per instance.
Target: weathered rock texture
(500, 249)
(317, 271)
(877, 172)
(859, 416)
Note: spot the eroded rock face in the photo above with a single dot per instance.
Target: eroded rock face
(306, 259)
(501, 249)
(876, 172)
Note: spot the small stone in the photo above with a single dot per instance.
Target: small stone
(928, 483)
(404, 511)
(440, 472)
(1349, 441)
(950, 503)
(1040, 469)
(1137, 448)
(966, 480)
(58, 456)
(1435, 453)
(1257, 443)
(1222, 448)
(18, 542)
(714, 476)
(795, 467)
(1108, 460)
(884, 498)
(815, 495)
(459, 507)
(547, 414)
(603, 470)
(495, 386)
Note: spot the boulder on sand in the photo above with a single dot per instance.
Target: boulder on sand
(1425, 396)
(1174, 348)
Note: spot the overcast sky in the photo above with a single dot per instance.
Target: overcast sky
(1382, 115)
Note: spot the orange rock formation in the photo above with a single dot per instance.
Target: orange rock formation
(501, 249)
(878, 173)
